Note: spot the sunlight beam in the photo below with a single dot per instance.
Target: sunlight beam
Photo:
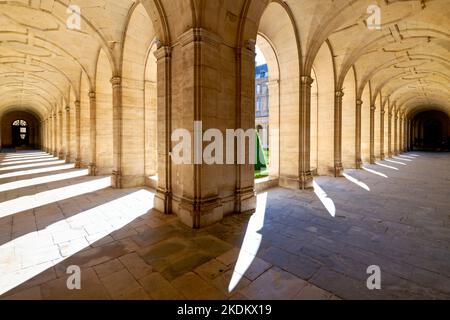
(41, 180)
(326, 201)
(26, 257)
(386, 166)
(357, 182)
(403, 159)
(26, 159)
(396, 162)
(36, 171)
(10, 163)
(24, 203)
(33, 165)
(375, 172)
(251, 243)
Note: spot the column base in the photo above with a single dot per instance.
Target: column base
(163, 201)
(306, 180)
(359, 164)
(55, 154)
(61, 155)
(200, 213)
(373, 159)
(78, 163)
(245, 200)
(383, 156)
(67, 157)
(338, 170)
(116, 181)
(92, 169)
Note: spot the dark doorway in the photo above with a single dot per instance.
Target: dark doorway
(432, 134)
(20, 134)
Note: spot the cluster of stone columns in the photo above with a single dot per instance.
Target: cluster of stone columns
(201, 194)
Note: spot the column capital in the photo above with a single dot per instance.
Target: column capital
(164, 52)
(67, 108)
(91, 94)
(306, 80)
(373, 108)
(383, 112)
(339, 93)
(60, 112)
(116, 81)
(77, 104)
(359, 102)
(200, 35)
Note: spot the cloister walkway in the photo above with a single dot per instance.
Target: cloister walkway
(313, 244)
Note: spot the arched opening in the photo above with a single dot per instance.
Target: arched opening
(104, 116)
(139, 101)
(322, 111)
(150, 119)
(20, 134)
(365, 125)
(262, 111)
(431, 131)
(276, 41)
(349, 121)
(20, 130)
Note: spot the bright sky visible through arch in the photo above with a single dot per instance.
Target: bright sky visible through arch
(260, 60)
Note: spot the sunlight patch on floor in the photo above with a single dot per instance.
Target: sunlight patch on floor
(251, 243)
(401, 158)
(33, 165)
(356, 181)
(36, 171)
(386, 166)
(24, 203)
(41, 180)
(26, 257)
(375, 172)
(323, 197)
(396, 162)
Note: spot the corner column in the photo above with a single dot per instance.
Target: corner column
(373, 108)
(305, 175)
(338, 168)
(163, 197)
(358, 134)
(93, 134)
(117, 132)
(67, 134)
(78, 134)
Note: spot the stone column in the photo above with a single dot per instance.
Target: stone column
(67, 134)
(306, 177)
(245, 196)
(401, 123)
(55, 135)
(78, 134)
(396, 132)
(338, 168)
(382, 114)
(60, 135)
(359, 163)
(373, 108)
(390, 133)
(117, 132)
(93, 134)
(163, 197)
(274, 128)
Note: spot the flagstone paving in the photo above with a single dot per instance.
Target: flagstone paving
(298, 245)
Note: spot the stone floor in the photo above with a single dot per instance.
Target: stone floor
(298, 245)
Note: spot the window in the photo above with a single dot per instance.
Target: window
(258, 89)
(258, 104)
(20, 123)
(23, 130)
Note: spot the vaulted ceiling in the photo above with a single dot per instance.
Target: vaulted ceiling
(407, 60)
